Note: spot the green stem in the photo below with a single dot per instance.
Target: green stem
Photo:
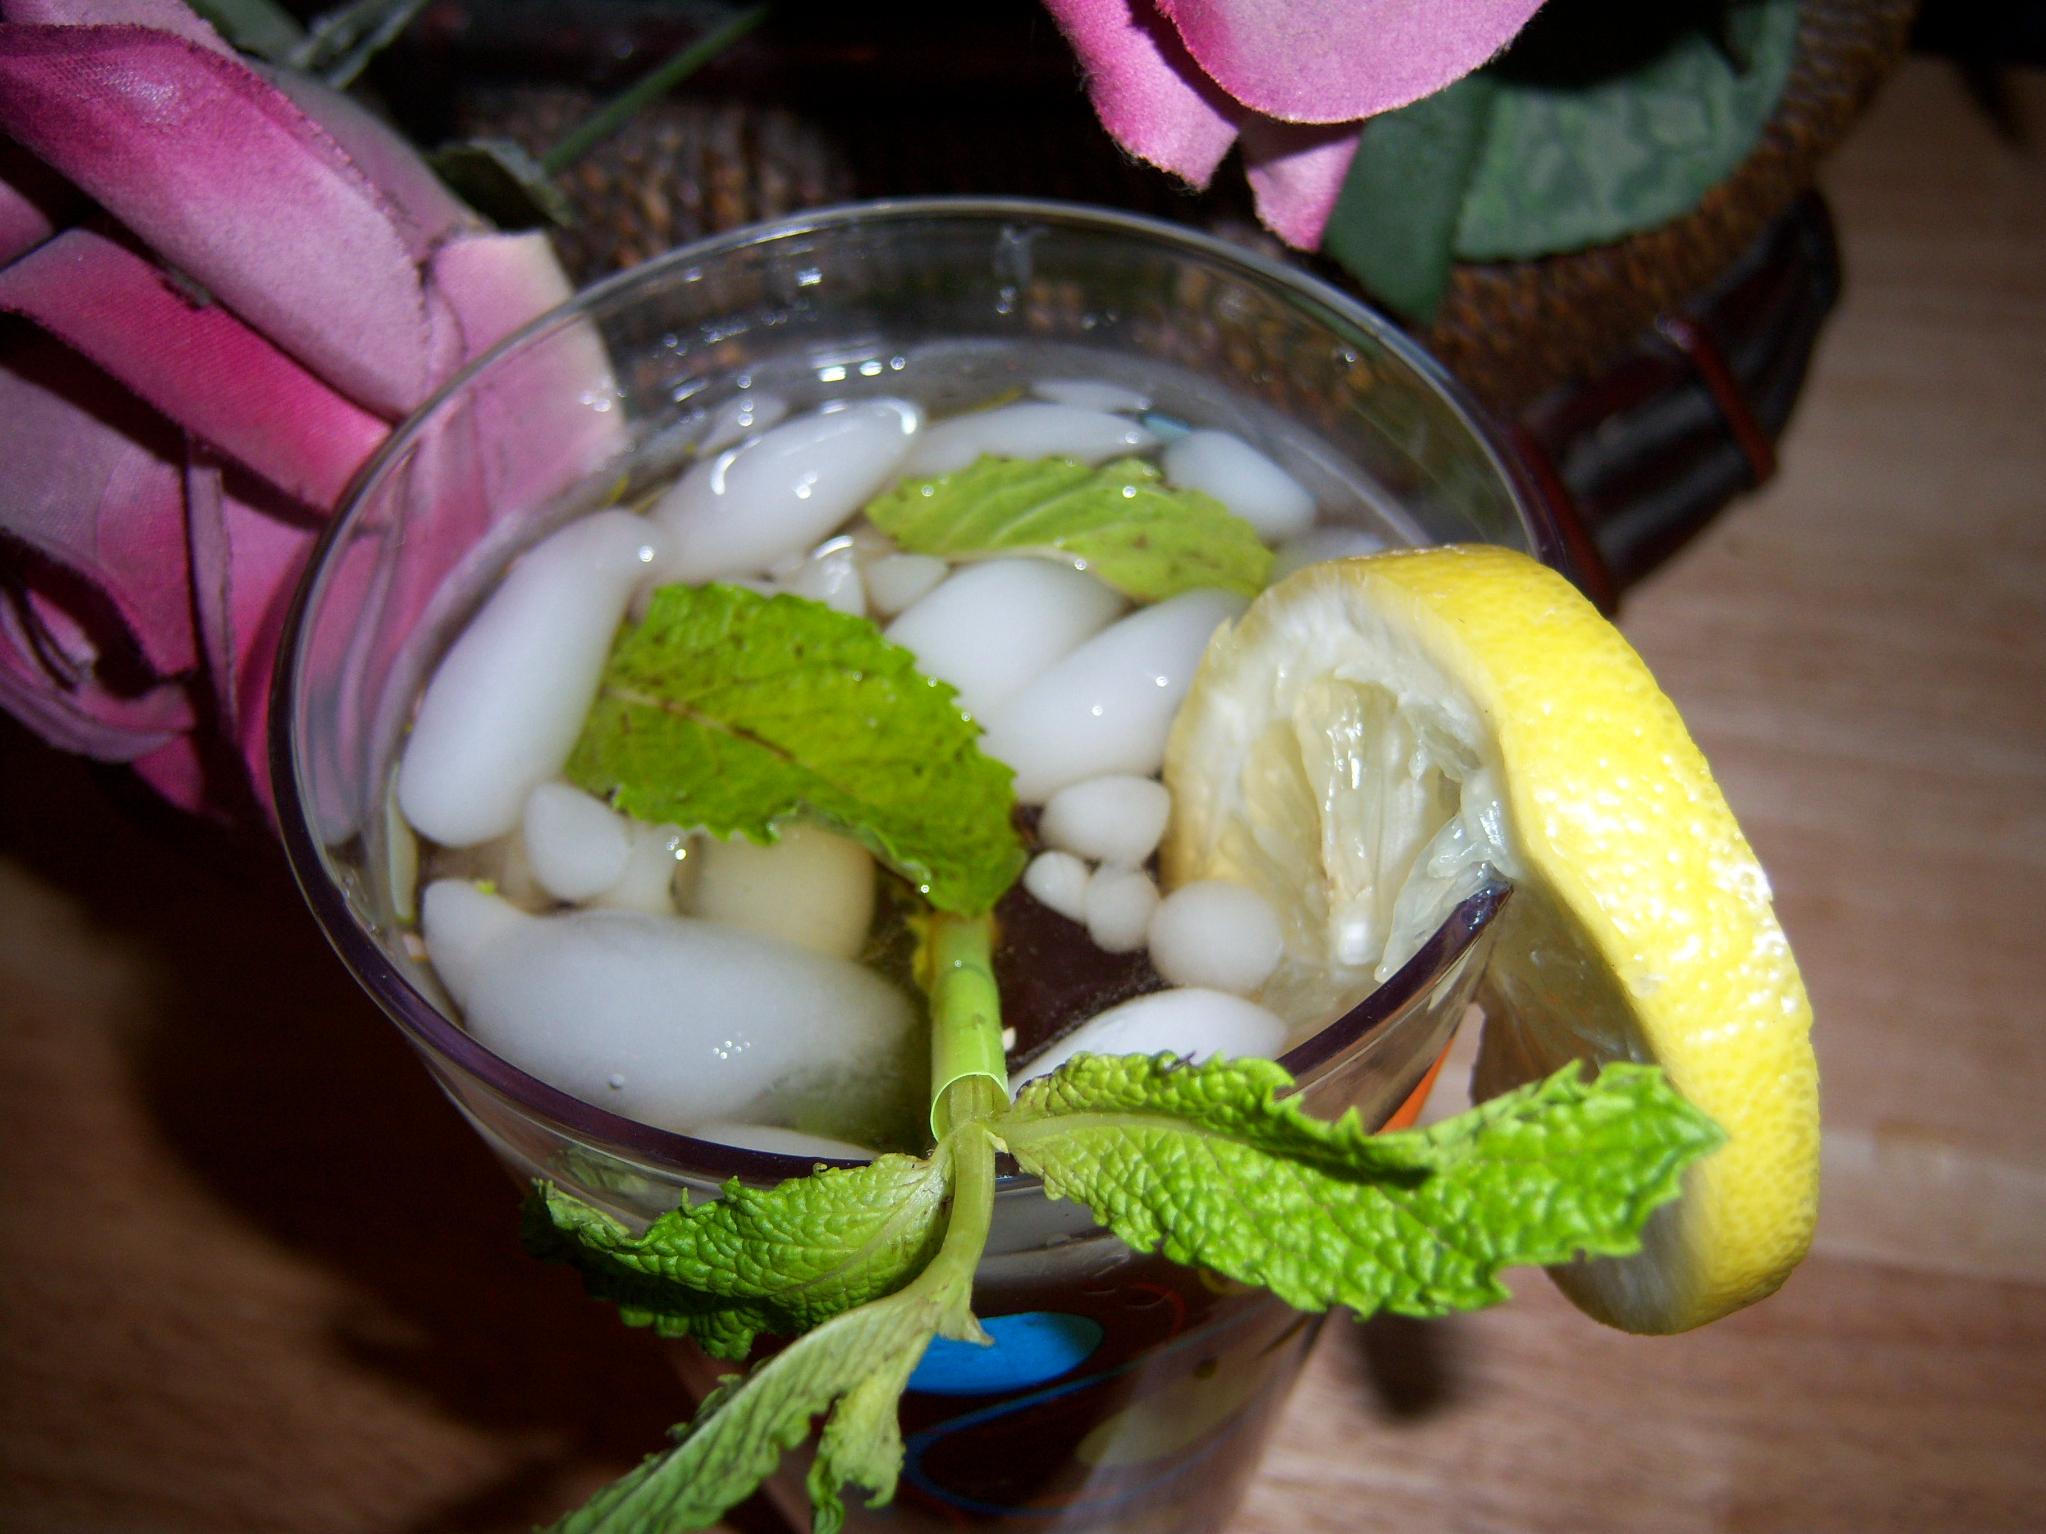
(664, 77)
(966, 1022)
(973, 1198)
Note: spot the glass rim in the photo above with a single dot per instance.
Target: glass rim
(429, 1028)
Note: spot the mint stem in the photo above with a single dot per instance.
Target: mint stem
(966, 1022)
(657, 82)
(973, 1193)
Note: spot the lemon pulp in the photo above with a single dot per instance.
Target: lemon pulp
(1376, 735)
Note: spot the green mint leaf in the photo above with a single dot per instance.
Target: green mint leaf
(1132, 531)
(742, 1430)
(854, 1366)
(1211, 1165)
(734, 712)
(778, 1260)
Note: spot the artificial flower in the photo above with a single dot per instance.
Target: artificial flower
(1178, 82)
(228, 285)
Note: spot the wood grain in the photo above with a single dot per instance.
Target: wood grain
(255, 1275)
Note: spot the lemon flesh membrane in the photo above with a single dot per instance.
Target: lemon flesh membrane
(1378, 737)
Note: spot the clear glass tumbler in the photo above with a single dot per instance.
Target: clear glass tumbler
(1124, 1392)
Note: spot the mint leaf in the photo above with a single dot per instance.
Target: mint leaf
(733, 711)
(1210, 1165)
(863, 1358)
(1141, 537)
(854, 1366)
(779, 1260)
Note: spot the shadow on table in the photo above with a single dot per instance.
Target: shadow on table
(1409, 1369)
(279, 1085)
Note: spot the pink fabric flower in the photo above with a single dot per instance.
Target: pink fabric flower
(1176, 82)
(232, 286)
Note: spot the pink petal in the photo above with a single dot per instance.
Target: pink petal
(426, 211)
(34, 202)
(251, 551)
(233, 185)
(550, 414)
(1297, 171)
(177, 770)
(1328, 61)
(170, 16)
(497, 282)
(63, 698)
(196, 363)
(89, 483)
(1148, 92)
(346, 668)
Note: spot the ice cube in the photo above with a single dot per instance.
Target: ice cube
(830, 574)
(507, 702)
(1117, 818)
(1217, 934)
(991, 628)
(1108, 705)
(662, 858)
(1090, 394)
(779, 493)
(811, 888)
(1198, 1024)
(669, 1021)
(1118, 904)
(896, 581)
(1243, 479)
(1058, 882)
(1030, 429)
(577, 844)
(782, 1142)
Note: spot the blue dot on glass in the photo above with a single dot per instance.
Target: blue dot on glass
(1029, 1349)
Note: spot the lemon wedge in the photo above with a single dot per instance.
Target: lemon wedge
(1378, 737)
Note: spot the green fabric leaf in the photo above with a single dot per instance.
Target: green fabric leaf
(340, 43)
(1395, 223)
(855, 1366)
(1609, 119)
(734, 712)
(778, 1261)
(502, 182)
(1148, 541)
(1210, 1165)
(261, 27)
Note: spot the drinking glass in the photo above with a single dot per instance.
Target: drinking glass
(1123, 1391)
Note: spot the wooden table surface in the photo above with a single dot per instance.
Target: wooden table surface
(254, 1275)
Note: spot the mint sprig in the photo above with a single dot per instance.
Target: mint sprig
(1121, 521)
(736, 712)
(1214, 1165)
(854, 1366)
(1211, 1164)
(777, 1260)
